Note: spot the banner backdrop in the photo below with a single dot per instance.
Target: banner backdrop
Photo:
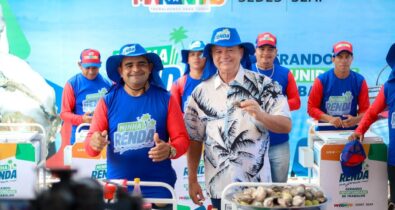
(50, 35)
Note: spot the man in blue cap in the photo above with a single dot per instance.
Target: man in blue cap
(384, 100)
(231, 114)
(139, 121)
(194, 72)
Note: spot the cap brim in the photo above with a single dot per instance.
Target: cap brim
(391, 56)
(184, 56)
(266, 43)
(336, 54)
(87, 65)
(112, 65)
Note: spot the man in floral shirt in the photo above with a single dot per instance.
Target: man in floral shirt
(231, 113)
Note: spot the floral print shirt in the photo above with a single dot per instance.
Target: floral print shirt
(236, 145)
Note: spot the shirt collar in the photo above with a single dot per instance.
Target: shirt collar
(239, 78)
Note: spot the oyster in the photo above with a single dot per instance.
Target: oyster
(281, 196)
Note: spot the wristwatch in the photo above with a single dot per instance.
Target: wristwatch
(172, 152)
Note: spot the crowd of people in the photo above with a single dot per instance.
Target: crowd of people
(234, 109)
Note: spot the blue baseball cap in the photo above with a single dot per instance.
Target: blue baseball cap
(134, 50)
(195, 46)
(352, 157)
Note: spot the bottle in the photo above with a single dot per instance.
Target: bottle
(136, 188)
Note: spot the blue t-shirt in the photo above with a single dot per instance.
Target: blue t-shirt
(389, 92)
(87, 94)
(340, 96)
(190, 85)
(132, 124)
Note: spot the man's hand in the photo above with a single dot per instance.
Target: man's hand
(350, 121)
(87, 117)
(99, 140)
(251, 107)
(336, 121)
(196, 193)
(355, 136)
(161, 150)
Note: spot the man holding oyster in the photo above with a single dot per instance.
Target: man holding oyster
(231, 113)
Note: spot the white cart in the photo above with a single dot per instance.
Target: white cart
(76, 157)
(22, 159)
(367, 190)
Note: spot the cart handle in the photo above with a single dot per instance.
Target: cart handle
(80, 126)
(172, 200)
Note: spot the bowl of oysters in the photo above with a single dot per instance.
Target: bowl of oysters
(279, 196)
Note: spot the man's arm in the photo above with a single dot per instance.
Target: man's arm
(175, 92)
(175, 125)
(196, 130)
(371, 115)
(314, 100)
(97, 135)
(68, 105)
(292, 93)
(193, 157)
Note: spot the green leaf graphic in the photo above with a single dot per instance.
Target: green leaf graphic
(17, 41)
(177, 35)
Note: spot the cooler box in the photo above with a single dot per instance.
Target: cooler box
(366, 190)
(19, 155)
(77, 158)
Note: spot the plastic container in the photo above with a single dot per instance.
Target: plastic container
(136, 188)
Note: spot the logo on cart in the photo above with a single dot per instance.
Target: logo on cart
(8, 171)
(342, 205)
(100, 171)
(135, 135)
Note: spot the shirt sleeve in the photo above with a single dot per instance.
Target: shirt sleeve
(194, 124)
(314, 100)
(175, 93)
(99, 123)
(275, 103)
(176, 128)
(363, 99)
(372, 113)
(68, 106)
(292, 93)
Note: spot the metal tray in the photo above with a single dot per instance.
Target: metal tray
(228, 195)
(250, 207)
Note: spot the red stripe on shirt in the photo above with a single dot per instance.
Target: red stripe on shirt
(99, 124)
(292, 93)
(179, 138)
(314, 100)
